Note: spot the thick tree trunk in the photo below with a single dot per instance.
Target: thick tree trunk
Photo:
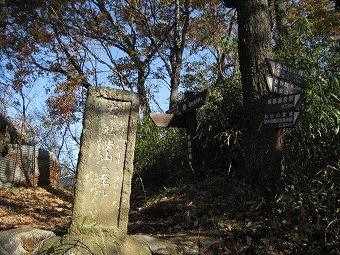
(262, 159)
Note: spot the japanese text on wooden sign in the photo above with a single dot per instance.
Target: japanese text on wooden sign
(283, 103)
(286, 72)
(280, 119)
(287, 83)
(191, 103)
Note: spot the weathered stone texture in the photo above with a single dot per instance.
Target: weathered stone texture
(105, 165)
(22, 241)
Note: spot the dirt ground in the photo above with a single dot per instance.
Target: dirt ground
(230, 212)
(47, 208)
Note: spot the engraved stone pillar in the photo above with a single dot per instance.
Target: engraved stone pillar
(105, 164)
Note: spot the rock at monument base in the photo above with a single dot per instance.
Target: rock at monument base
(22, 241)
(89, 245)
(194, 244)
(157, 246)
(180, 244)
(30, 241)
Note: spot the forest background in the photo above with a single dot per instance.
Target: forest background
(159, 49)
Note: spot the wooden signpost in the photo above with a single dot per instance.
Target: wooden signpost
(285, 72)
(191, 102)
(286, 85)
(282, 87)
(283, 103)
(279, 120)
(183, 115)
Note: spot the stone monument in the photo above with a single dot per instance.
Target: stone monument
(105, 165)
(103, 183)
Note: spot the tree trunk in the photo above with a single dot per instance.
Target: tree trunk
(177, 49)
(144, 103)
(281, 20)
(174, 83)
(262, 160)
(281, 16)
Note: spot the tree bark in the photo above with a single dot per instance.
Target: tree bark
(144, 103)
(262, 159)
(174, 83)
(177, 49)
(281, 17)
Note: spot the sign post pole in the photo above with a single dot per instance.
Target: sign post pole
(183, 115)
(191, 126)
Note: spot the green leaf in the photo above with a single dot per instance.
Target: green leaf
(15, 190)
(83, 219)
(91, 225)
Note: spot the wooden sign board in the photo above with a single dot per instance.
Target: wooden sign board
(283, 103)
(183, 115)
(282, 87)
(168, 120)
(191, 103)
(285, 71)
(277, 120)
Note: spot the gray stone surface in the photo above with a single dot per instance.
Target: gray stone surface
(22, 241)
(180, 244)
(194, 244)
(93, 245)
(37, 241)
(156, 245)
(105, 166)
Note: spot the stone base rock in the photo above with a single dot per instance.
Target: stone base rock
(194, 244)
(180, 244)
(29, 241)
(157, 246)
(22, 241)
(89, 245)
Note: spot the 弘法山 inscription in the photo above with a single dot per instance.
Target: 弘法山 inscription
(105, 165)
